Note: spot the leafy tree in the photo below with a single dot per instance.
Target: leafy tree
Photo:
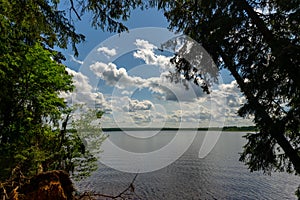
(33, 139)
(31, 82)
(88, 131)
(46, 22)
(258, 42)
(31, 78)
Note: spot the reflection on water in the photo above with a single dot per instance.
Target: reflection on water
(218, 176)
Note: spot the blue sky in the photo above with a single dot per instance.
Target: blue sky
(125, 76)
(138, 19)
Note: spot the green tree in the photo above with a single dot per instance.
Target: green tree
(46, 22)
(32, 137)
(258, 42)
(31, 81)
(84, 140)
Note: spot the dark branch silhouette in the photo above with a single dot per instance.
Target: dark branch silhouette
(74, 10)
(121, 195)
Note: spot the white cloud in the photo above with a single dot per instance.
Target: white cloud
(84, 93)
(76, 60)
(162, 85)
(141, 118)
(135, 105)
(195, 106)
(203, 111)
(108, 52)
(114, 76)
(226, 101)
(128, 104)
(119, 78)
(146, 53)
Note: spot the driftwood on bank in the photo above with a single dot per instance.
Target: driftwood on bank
(53, 185)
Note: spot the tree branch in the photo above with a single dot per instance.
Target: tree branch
(120, 195)
(74, 10)
(277, 45)
(276, 130)
(4, 191)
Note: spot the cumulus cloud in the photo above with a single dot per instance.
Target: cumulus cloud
(146, 52)
(114, 76)
(84, 93)
(159, 86)
(163, 88)
(135, 105)
(222, 103)
(128, 104)
(162, 85)
(225, 102)
(144, 111)
(208, 110)
(108, 52)
(140, 118)
(76, 60)
(233, 97)
(131, 112)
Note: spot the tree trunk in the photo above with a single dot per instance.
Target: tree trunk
(279, 47)
(276, 131)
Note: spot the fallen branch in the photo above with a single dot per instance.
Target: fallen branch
(121, 195)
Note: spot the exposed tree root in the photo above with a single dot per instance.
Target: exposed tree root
(53, 185)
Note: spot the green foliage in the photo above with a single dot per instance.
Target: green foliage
(88, 130)
(41, 21)
(258, 42)
(46, 22)
(32, 135)
(29, 104)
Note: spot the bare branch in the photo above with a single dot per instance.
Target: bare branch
(74, 10)
(120, 195)
(129, 188)
(5, 193)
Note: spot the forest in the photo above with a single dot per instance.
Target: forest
(257, 41)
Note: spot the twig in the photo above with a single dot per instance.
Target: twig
(75, 11)
(84, 195)
(120, 195)
(130, 187)
(4, 191)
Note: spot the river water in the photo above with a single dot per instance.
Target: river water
(217, 176)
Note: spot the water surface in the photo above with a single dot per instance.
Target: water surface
(217, 176)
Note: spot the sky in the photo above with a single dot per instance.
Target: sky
(126, 76)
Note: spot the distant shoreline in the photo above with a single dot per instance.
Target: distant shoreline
(226, 128)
